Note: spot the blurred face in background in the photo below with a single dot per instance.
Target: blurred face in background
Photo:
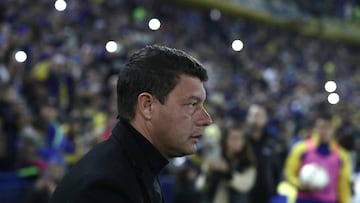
(257, 116)
(324, 129)
(256, 120)
(49, 113)
(235, 142)
(9, 95)
(178, 124)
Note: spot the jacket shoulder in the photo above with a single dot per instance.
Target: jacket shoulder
(102, 175)
(96, 188)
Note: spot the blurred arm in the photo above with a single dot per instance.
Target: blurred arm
(293, 163)
(344, 191)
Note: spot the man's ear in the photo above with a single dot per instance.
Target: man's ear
(145, 105)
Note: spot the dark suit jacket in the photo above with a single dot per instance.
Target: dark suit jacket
(121, 169)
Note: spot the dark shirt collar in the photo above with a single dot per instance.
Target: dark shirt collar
(323, 149)
(153, 158)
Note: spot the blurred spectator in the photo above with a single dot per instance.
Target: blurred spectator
(323, 150)
(74, 145)
(185, 188)
(55, 139)
(267, 161)
(31, 139)
(45, 184)
(232, 176)
(9, 115)
(3, 143)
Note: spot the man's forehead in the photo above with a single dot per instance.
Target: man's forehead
(193, 94)
(191, 87)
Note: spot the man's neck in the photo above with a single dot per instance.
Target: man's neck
(142, 130)
(146, 133)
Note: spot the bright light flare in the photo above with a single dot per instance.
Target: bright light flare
(237, 45)
(330, 86)
(20, 56)
(333, 98)
(111, 46)
(60, 5)
(154, 24)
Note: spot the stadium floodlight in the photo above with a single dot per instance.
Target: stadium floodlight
(154, 24)
(237, 45)
(333, 98)
(60, 5)
(111, 46)
(330, 86)
(20, 56)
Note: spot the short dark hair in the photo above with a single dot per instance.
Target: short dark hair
(154, 69)
(324, 115)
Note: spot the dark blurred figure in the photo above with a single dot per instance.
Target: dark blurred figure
(185, 190)
(73, 146)
(230, 179)
(60, 83)
(267, 162)
(45, 184)
(31, 138)
(346, 137)
(9, 117)
(2, 142)
(54, 133)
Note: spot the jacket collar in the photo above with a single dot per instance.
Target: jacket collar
(140, 152)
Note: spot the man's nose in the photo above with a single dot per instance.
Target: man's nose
(205, 118)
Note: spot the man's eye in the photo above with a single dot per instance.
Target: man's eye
(192, 104)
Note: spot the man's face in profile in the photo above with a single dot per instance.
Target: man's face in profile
(180, 121)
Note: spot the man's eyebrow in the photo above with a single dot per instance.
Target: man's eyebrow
(196, 98)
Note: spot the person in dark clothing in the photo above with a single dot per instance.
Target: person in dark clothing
(185, 190)
(45, 184)
(268, 166)
(9, 117)
(160, 97)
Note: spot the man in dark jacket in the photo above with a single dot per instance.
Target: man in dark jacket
(160, 105)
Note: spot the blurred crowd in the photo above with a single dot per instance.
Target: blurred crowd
(348, 9)
(341, 9)
(61, 101)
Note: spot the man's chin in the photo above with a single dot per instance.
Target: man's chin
(186, 152)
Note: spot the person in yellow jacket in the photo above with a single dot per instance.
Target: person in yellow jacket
(322, 149)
